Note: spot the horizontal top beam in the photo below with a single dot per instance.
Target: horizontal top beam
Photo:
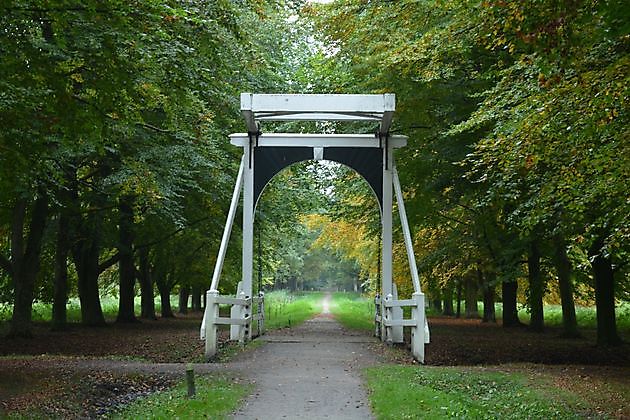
(317, 140)
(320, 107)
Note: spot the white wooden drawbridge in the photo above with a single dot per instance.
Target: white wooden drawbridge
(264, 155)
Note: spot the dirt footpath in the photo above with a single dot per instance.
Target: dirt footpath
(312, 371)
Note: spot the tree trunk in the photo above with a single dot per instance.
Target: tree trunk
(147, 298)
(489, 314)
(470, 286)
(85, 256)
(448, 302)
(126, 265)
(196, 299)
(536, 288)
(184, 292)
(604, 296)
(509, 293)
(437, 304)
(164, 286)
(25, 262)
(459, 299)
(565, 282)
(60, 288)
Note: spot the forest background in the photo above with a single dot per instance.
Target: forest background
(115, 168)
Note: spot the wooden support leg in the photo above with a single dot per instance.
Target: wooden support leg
(417, 331)
(212, 313)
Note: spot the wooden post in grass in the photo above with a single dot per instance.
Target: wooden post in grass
(190, 380)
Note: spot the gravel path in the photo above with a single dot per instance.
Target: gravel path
(311, 371)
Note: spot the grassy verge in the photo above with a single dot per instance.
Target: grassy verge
(398, 392)
(216, 398)
(353, 311)
(283, 309)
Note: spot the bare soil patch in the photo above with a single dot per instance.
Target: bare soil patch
(472, 342)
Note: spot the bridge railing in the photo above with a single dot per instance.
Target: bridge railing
(389, 318)
(242, 315)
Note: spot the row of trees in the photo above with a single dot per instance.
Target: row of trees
(113, 149)
(518, 161)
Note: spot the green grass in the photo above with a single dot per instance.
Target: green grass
(216, 398)
(399, 392)
(283, 309)
(353, 311)
(356, 311)
(42, 312)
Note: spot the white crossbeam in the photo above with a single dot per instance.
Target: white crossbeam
(317, 140)
(320, 107)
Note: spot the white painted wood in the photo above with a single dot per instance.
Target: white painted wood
(235, 311)
(227, 230)
(400, 323)
(232, 321)
(212, 313)
(386, 330)
(401, 302)
(417, 331)
(304, 116)
(397, 315)
(245, 332)
(248, 228)
(317, 140)
(411, 257)
(318, 153)
(386, 232)
(317, 103)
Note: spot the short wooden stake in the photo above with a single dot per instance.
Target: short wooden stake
(190, 381)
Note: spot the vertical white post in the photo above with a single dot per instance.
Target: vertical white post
(212, 313)
(236, 312)
(386, 275)
(244, 311)
(387, 319)
(417, 331)
(248, 228)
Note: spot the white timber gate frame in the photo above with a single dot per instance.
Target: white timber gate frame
(266, 154)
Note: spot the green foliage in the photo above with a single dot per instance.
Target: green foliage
(517, 125)
(434, 392)
(216, 397)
